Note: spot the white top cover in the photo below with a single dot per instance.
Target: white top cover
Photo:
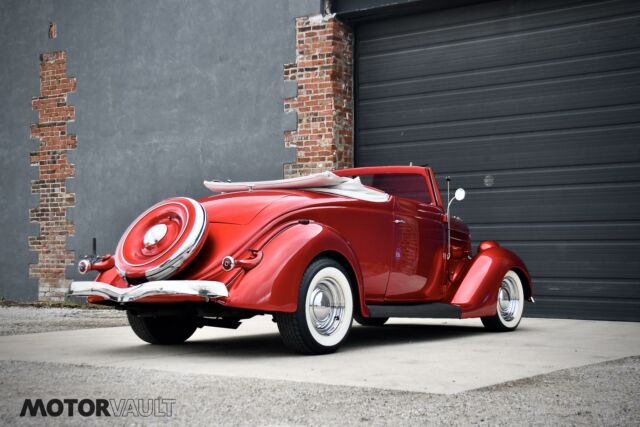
(354, 189)
(323, 179)
(324, 182)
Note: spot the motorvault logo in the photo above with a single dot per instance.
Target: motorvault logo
(158, 407)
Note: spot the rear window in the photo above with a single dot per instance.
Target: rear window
(407, 186)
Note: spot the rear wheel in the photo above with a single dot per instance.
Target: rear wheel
(162, 330)
(325, 310)
(509, 306)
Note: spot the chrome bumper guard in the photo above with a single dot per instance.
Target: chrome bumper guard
(201, 288)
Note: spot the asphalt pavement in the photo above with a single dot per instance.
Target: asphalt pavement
(410, 372)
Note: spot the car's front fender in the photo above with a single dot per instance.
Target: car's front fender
(272, 285)
(477, 291)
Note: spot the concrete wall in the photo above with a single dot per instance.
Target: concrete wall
(169, 94)
(23, 36)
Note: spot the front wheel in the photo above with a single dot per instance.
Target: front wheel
(325, 310)
(162, 330)
(509, 306)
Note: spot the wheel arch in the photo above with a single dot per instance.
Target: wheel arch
(273, 285)
(526, 282)
(477, 289)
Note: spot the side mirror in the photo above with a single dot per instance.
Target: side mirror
(457, 196)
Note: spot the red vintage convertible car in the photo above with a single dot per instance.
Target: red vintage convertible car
(314, 252)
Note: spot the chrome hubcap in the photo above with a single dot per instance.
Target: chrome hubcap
(326, 306)
(154, 235)
(508, 299)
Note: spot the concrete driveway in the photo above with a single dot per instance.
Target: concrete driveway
(426, 356)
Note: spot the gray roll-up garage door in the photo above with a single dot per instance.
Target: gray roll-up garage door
(534, 108)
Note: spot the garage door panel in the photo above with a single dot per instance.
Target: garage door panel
(542, 45)
(595, 91)
(590, 288)
(462, 16)
(546, 176)
(534, 108)
(585, 308)
(548, 204)
(563, 67)
(545, 125)
(589, 260)
(545, 149)
(435, 30)
(556, 231)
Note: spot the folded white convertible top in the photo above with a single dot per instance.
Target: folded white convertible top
(324, 182)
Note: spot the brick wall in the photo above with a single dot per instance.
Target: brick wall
(53, 170)
(324, 102)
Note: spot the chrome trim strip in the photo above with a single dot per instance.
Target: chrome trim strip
(202, 288)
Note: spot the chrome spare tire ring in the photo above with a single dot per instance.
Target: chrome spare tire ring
(147, 251)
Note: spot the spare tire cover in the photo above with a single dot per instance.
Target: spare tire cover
(162, 241)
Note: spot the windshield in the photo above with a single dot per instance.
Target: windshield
(404, 185)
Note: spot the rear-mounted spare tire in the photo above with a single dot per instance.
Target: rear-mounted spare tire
(162, 241)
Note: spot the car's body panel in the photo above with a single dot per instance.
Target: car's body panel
(394, 251)
(419, 243)
(476, 290)
(112, 277)
(236, 208)
(272, 286)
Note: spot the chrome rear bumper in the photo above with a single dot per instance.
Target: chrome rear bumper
(189, 288)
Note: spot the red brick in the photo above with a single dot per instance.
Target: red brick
(54, 170)
(324, 104)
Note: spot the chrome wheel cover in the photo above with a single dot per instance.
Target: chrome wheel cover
(326, 306)
(509, 299)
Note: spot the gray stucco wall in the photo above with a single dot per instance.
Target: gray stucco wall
(23, 36)
(169, 93)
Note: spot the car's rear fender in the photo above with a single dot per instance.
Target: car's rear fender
(272, 285)
(477, 291)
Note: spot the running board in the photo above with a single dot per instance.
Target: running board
(429, 310)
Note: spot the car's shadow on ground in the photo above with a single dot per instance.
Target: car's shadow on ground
(367, 336)
(270, 344)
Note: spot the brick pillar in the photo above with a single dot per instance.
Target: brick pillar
(54, 168)
(324, 102)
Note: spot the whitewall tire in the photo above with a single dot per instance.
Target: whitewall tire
(509, 305)
(325, 310)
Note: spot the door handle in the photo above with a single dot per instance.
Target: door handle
(398, 221)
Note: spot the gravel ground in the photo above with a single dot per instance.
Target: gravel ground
(16, 320)
(605, 394)
(602, 394)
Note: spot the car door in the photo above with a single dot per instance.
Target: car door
(417, 265)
